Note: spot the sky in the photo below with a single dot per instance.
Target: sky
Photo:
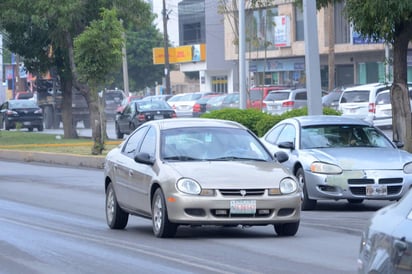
(173, 22)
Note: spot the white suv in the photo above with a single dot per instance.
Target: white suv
(360, 101)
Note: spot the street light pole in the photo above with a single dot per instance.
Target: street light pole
(166, 50)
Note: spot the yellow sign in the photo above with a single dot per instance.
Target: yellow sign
(183, 54)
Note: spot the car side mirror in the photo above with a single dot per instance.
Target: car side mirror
(143, 158)
(281, 156)
(287, 145)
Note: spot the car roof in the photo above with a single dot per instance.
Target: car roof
(326, 120)
(194, 122)
(368, 86)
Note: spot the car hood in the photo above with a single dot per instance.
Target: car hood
(362, 158)
(232, 174)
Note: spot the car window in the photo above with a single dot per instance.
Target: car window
(278, 95)
(355, 96)
(323, 136)
(133, 142)
(273, 134)
(288, 134)
(301, 95)
(149, 143)
(383, 98)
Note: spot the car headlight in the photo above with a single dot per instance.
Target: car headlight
(287, 186)
(319, 167)
(407, 168)
(188, 186)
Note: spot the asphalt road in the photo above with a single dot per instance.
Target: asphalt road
(52, 221)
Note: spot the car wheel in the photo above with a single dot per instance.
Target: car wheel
(162, 228)
(40, 128)
(119, 134)
(307, 204)
(287, 229)
(115, 216)
(30, 129)
(355, 201)
(6, 125)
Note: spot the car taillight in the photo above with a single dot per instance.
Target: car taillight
(141, 117)
(173, 115)
(372, 108)
(196, 108)
(39, 111)
(288, 104)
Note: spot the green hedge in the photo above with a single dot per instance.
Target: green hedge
(256, 120)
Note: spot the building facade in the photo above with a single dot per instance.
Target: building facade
(275, 49)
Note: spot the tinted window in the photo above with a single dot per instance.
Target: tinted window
(355, 96)
(302, 95)
(278, 96)
(132, 144)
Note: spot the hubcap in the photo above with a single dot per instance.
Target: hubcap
(110, 206)
(157, 213)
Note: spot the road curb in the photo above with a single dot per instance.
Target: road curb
(53, 158)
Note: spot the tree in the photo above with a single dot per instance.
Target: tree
(33, 31)
(97, 54)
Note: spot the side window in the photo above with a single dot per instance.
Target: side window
(133, 143)
(288, 134)
(301, 96)
(273, 134)
(149, 143)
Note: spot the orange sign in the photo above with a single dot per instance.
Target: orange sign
(183, 54)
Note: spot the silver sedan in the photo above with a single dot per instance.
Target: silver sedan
(192, 171)
(337, 157)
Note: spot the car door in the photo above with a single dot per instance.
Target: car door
(140, 175)
(288, 134)
(124, 168)
(123, 119)
(301, 99)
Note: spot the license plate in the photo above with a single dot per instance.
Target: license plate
(353, 110)
(158, 117)
(243, 207)
(376, 190)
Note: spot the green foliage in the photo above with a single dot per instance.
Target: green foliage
(98, 49)
(256, 120)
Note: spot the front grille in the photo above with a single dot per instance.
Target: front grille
(267, 213)
(242, 192)
(388, 181)
(360, 181)
(361, 191)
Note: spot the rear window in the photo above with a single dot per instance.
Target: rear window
(277, 96)
(355, 96)
(383, 98)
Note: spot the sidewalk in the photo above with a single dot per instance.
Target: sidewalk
(72, 160)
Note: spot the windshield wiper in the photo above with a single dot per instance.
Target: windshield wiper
(232, 158)
(181, 158)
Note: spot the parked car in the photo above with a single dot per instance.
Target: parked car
(280, 101)
(386, 244)
(192, 171)
(183, 104)
(359, 101)
(126, 101)
(381, 114)
(21, 113)
(200, 105)
(23, 95)
(112, 99)
(331, 99)
(337, 157)
(231, 100)
(215, 103)
(139, 112)
(258, 93)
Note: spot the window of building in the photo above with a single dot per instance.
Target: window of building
(219, 84)
(191, 33)
(342, 25)
(260, 29)
(299, 31)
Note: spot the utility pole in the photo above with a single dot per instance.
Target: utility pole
(166, 49)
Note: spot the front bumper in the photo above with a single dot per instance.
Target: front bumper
(206, 210)
(359, 184)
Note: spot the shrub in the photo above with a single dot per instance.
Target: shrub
(256, 120)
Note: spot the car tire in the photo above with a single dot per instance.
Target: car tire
(119, 134)
(287, 229)
(162, 228)
(40, 128)
(355, 201)
(30, 129)
(6, 125)
(116, 217)
(307, 204)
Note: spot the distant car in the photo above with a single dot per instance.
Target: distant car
(386, 244)
(337, 157)
(185, 102)
(200, 105)
(258, 93)
(139, 112)
(23, 95)
(126, 101)
(112, 99)
(163, 97)
(231, 100)
(215, 103)
(21, 113)
(331, 99)
(196, 171)
(280, 101)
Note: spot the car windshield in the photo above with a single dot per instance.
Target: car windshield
(277, 96)
(211, 144)
(355, 96)
(152, 105)
(324, 136)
